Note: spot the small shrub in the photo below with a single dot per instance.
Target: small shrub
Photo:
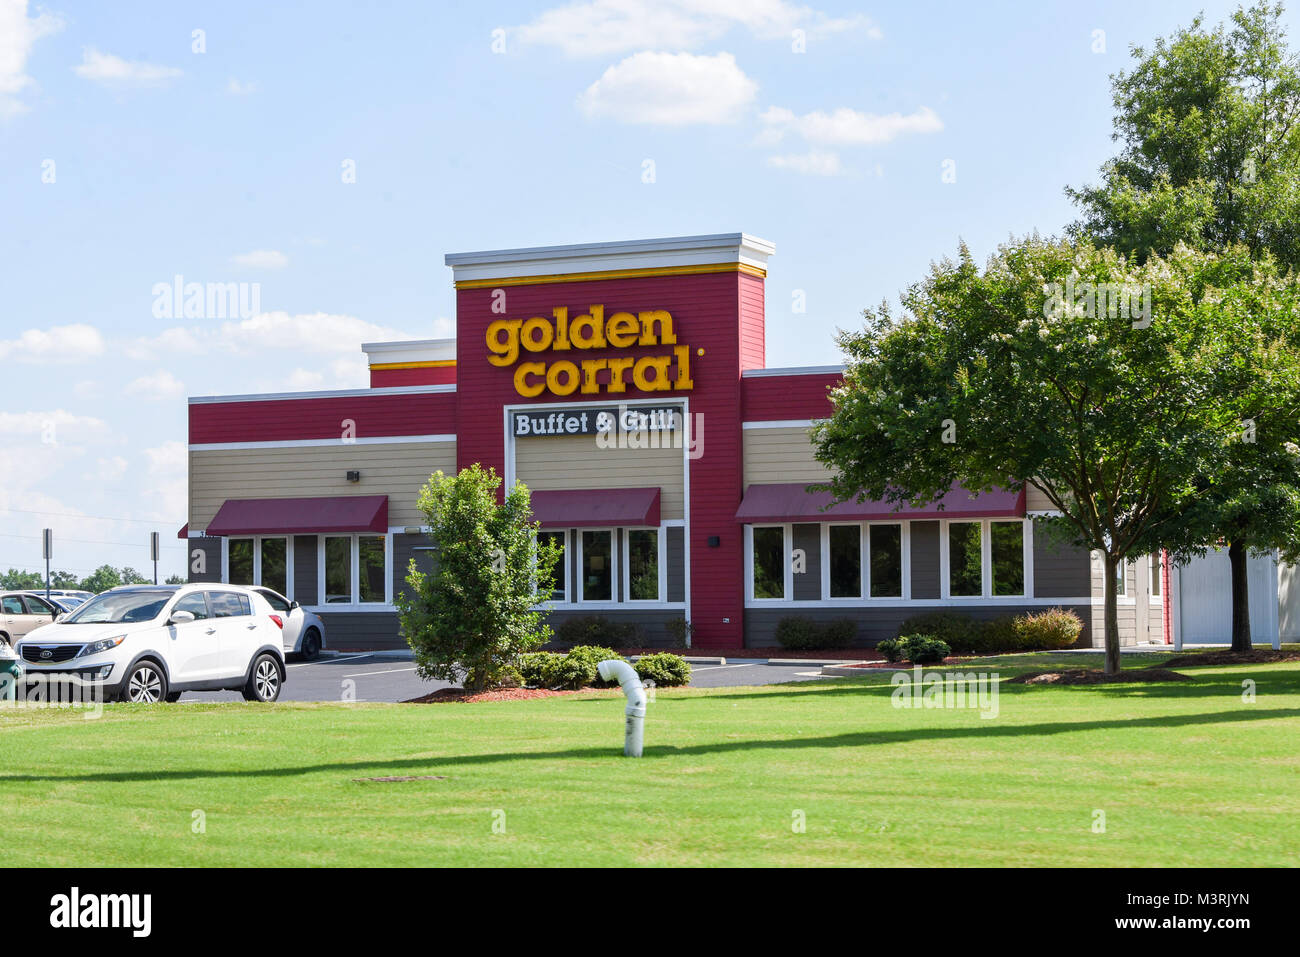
(995, 636)
(664, 669)
(798, 633)
(960, 632)
(891, 648)
(577, 668)
(537, 668)
(599, 631)
(924, 649)
(839, 633)
(1048, 630)
(679, 630)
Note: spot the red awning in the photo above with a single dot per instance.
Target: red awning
(605, 506)
(791, 502)
(301, 516)
(184, 532)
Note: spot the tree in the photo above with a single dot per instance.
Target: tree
(15, 580)
(476, 612)
(175, 580)
(64, 580)
(1209, 123)
(130, 576)
(1107, 385)
(101, 579)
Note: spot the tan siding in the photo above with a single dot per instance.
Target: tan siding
(1036, 501)
(397, 470)
(781, 455)
(576, 461)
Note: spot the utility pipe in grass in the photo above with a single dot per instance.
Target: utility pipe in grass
(634, 691)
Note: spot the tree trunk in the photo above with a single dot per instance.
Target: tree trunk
(1111, 563)
(1240, 597)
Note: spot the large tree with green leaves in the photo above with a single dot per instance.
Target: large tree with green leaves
(1108, 385)
(1208, 123)
(476, 612)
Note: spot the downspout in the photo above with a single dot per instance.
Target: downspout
(1165, 606)
(613, 669)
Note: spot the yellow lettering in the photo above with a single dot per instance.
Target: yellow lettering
(660, 382)
(571, 377)
(561, 314)
(588, 330)
(616, 367)
(526, 389)
(621, 330)
(589, 369)
(533, 344)
(684, 381)
(665, 321)
(504, 353)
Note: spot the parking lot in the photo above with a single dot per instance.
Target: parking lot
(390, 676)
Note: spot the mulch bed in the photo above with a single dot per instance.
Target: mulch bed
(839, 654)
(1230, 657)
(1089, 676)
(443, 695)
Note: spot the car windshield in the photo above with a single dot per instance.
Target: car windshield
(120, 607)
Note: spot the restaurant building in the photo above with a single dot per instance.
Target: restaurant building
(627, 385)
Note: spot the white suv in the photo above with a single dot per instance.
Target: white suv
(149, 643)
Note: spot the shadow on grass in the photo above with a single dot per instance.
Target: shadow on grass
(855, 739)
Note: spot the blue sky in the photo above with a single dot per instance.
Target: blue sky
(128, 157)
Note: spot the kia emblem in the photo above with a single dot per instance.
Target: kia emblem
(46, 653)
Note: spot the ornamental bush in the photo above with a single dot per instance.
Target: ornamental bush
(923, 649)
(960, 632)
(471, 618)
(599, 631)
(1048, 630)
(664, 669)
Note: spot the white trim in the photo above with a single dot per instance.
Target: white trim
(333, 394)
(792, 370)
(787, 537)
(410, 350)
(356, 604)
(580, 597)
(321, 443)
(986, 559)
(1008, 601)
(507, 264)
(780, 424)
(661, 548)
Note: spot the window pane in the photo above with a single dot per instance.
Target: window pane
(227, 604)
(371, 555)
(769, 562)
(274, 567)
(1121, 578)
(643, 564)
(1008, 546)
(886, 542)
(1155, 576)
(846, 561)
(561, 563)
(241, 561)
(597, 567)
(195, 604)
(964, 572)
(275, 601)
(338, 570)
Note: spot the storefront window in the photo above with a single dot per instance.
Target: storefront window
(241, 561)
(886, 545)
(965, 559)
(846, 561)
(559, 571)
(643, 564)
(338, 570)
(597, 566)
(370, 554)
(275, 569)
(1007, 543)
(769, 561)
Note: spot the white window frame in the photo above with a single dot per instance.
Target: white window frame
(986, 558)
(579, 593)
(257, 561)
(564, 563)
(1154, 580)
(355, 604)
(661, 547)
(787, 556)
(863, 555)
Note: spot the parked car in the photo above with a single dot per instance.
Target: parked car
(149, 643)
(304, 632)
(22, 612)
(68, 593)
(64, 603)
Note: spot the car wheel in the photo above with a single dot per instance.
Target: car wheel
(311, 645)
(145, 684)
(264, 681)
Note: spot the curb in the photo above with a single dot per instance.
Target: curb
(842, 670)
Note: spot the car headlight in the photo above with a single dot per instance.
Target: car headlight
(105, 644)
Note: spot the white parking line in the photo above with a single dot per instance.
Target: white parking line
(717, 667)
(319, 661)
(367, 674)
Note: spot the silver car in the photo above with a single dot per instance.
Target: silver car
(304, 632)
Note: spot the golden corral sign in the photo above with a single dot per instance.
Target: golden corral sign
(508, 339)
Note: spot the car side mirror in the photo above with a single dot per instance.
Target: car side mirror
(181, 618)
(293, 605)
(57, 616)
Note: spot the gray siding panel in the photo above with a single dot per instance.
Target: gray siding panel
(362, 631)
(653, 623)
(808, 585)
(1060, 569)
(210, 548)
(406, 547)
(925, 560)
(304, 569)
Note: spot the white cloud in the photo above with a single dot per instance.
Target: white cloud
(269, 332)
(107, 470)
(18, 34)
(813, 163)
(157, 387)
(113, 71)
(58, 344)
(262, 259)
(235, 88)
(170, 458)
(167, 478)
(305, 380)
(52, 427)
(670, 89)
(846, 127)
(603, 27)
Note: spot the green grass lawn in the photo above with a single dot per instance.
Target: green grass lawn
(1187, 774)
